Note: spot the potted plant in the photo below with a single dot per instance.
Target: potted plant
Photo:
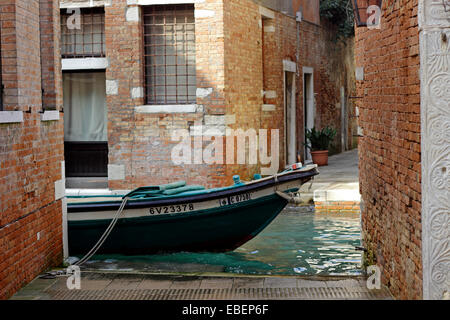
(318, 141)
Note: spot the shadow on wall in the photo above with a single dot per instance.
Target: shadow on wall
(337, 108)
(334, 70)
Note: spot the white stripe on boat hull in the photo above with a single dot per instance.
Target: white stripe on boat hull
(185, 207)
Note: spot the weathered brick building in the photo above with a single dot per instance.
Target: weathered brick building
(403, 81)
(131, 72)
(244, 64)
(220, 64)
(31, 142)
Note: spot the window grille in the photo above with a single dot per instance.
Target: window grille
(169, 54)
(86, 39)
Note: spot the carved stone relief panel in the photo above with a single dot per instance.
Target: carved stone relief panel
(434, 24)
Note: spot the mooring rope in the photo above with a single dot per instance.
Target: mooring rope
(105, 235)
(95, 248)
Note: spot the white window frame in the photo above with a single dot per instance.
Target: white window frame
(73, 64)
(156, 2)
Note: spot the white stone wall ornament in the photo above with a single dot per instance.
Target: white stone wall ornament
(440, 225)
(434, 26)
(440, 131)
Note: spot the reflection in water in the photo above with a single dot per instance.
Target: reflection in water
(294, 243)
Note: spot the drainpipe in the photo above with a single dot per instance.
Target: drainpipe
(298, 19)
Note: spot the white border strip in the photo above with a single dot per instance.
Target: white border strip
(50, 115)
(194, 206)
(84, 64)
(11, 116)
(95, 192)
(84, 4)
(308, 70)
(266, 12)
(269, 107)
(153, 2)
(289, 66)
(169, 108)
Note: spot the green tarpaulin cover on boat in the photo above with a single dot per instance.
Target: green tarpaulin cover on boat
(163, 190)
(182, 189)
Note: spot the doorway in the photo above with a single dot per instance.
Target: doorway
(308, 106)
(290, 118)
(85, 125)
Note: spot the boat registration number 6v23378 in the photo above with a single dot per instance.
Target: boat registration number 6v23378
(172, 209)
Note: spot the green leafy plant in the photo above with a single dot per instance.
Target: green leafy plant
(319, 140)
(340, 13)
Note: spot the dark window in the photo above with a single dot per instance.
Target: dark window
(86, 159)
(86, 39)
(169, 40)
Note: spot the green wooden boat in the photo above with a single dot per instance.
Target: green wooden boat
(160, 219)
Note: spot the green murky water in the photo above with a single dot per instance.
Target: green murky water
(296, 242)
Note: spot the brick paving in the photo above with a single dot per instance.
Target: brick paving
(125, 286)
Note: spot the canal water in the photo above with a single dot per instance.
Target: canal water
(297, 242)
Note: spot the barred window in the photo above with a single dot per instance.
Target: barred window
(84, 37)
(169, 40)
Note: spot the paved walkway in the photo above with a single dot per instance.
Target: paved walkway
(125, 286)
(339, 181)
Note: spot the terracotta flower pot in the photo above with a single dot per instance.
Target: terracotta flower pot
(320, 157)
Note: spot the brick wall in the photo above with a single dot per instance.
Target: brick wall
(141, 142)
(236, 60)
(390, 174)
(124, 51)
(243, 71)
(31, 151)
(332, 61)
(280, 43)
(50, 30)
(310, 9)
(229, 69)
(333, 65)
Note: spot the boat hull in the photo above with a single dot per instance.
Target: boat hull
(215, 221)
(214, 230)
